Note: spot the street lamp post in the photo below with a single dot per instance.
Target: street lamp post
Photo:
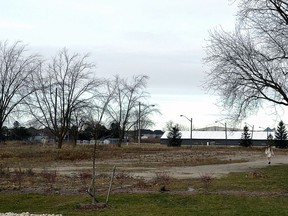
(191, 121)
(225, 125)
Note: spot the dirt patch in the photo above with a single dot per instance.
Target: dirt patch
(96, 206)
(222, 163)
(144, 168)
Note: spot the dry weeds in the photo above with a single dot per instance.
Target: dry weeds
(43, 169)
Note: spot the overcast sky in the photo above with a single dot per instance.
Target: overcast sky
(163, 39)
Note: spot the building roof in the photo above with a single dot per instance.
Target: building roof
(219, 135)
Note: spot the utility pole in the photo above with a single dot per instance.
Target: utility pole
(191, 120)
(225, 125)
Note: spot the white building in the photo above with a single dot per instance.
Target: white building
(259, 138)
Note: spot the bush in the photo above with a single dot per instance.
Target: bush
(281, 143)
(246, 139)
(174, 136)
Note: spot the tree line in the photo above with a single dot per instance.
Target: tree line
(279, 141)
(174, 136)
(64, 92)
(87, 132)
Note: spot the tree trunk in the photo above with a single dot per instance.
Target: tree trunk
(60, 143)
(94, 200)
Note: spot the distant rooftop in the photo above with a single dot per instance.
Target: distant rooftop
(232, 135)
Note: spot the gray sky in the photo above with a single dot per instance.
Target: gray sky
(163, 39)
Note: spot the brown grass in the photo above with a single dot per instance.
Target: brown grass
(36, 167)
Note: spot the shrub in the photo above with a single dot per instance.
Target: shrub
(122, 177)
(206, 179)
(174, 136)
(49, 176)
(246, 140)
(163, 179)
(84, 176)
(18, 177)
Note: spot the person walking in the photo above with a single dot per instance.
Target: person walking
(269, 152)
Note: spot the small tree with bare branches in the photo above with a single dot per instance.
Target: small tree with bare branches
(127, 96)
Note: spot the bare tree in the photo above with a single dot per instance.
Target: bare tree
(65, 86)
(100, 106)
(249, 66)
(170, 124)
(126, 99)
(143, 114)
(94, 113)
(78, 121)
(16, 69)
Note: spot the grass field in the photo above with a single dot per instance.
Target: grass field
(261, 192)
(150, 204)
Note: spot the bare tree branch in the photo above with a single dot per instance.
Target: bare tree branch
(126, 98)
(16, 70)
(249, 65)
(64, 87)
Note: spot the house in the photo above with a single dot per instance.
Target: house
(259, 138)
(146, 133)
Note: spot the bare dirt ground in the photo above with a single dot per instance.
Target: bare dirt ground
(43, 169)
(39, 164)
(222, 169)
(250, 161)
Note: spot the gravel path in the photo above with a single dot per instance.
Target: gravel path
(184, 172)
(217, 170)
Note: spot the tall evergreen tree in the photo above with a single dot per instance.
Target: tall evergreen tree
(246, 140)
(174, 136)
(281, 136)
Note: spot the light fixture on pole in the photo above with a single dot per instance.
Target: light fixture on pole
(191, 120)
(225, 125)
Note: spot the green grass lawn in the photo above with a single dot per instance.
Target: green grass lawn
(150, 204)
(270, 179)
(256, 200)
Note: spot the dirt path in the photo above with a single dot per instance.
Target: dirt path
(180, 172)
(215, 170)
